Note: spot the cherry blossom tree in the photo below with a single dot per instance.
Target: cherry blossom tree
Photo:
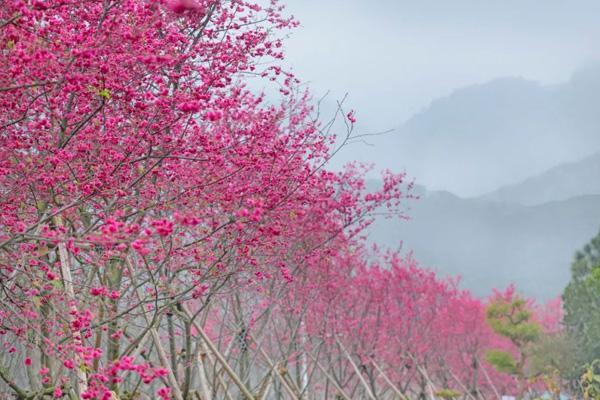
(166, 231)
(140, 173)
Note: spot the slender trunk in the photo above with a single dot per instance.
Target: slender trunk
(187, 359)
(164, 360)
(358, 372)
(114, 275)
(98, 340)
(67, 279)
(234, 377)
(200, 361)
(172, 344)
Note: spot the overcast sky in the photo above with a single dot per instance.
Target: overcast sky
(394, 56)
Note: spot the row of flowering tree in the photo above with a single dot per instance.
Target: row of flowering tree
(166, 232)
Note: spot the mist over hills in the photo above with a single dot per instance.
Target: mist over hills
(559, 183)
(492, 244)
(482, 137)
(534, 150)
(524, 233)
(519, 165)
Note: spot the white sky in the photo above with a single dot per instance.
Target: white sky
(394, 56)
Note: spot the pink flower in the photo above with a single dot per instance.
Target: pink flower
(191, 107)
(139, 246)
(163, 227)
(164, 393)
(181, 6)
(351, 117)
(214, 115)
(27, 361)
(97, 291)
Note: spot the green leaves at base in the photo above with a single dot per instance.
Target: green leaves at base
(502, 361)
(590, 381)
(448, 394)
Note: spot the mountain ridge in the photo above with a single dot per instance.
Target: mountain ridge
(481, 137)
(558, 183)
(492, 244)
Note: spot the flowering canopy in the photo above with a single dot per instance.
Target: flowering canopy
(155, 211)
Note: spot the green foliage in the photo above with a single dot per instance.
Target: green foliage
(502, 361)
(448, 394)
(553, 353)
(590, 381)
(105, 93)
(510, 316)
(512, 319)
(581, 302)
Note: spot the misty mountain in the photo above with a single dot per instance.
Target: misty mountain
(498, 133)
(492, 244)
(559, 183)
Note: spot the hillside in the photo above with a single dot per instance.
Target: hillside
(559, 183)
(486, 136)
(492, 244)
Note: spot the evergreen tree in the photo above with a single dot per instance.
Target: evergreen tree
(581, 300)
(510, 316)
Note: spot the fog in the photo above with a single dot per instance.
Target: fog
(492, 108)
(394, 58)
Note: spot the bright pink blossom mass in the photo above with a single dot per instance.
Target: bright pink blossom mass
(168, 232)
